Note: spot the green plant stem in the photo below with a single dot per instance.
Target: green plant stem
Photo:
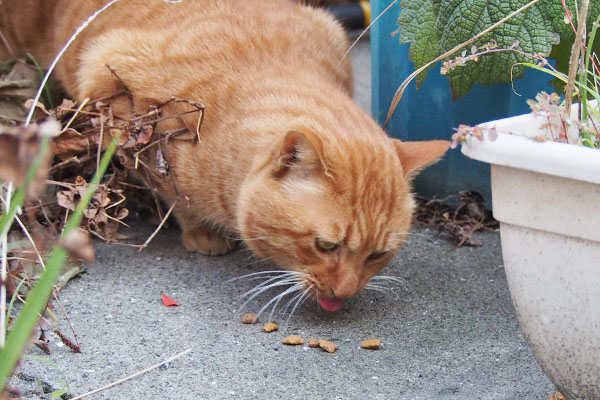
(583, 80)
(40, 294)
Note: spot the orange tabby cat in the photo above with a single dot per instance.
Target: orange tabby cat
(287, 162)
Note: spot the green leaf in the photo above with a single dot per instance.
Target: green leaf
(433, 27)
(418, 22)
(57, 393)
(459, 20)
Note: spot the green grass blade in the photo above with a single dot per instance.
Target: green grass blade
(12, 302)
(39, 295)
(62, 380)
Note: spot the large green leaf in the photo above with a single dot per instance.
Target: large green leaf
(433, 27)
(419, 28)
(462, 19)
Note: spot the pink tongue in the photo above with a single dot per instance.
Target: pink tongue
(331, 304)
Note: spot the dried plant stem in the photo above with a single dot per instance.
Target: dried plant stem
(575, 55)
(398, 95)
(60, 54)
(168, 360)
(7, 45)
(366, 30)
(83, 104)
(68, 161)
(100, 141)
(4, 273)
(159, 227)
(64, 312)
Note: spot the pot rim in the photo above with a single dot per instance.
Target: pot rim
(517, 150)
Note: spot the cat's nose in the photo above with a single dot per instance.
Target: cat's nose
(347, 288)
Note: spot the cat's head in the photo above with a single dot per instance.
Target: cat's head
(337, 211)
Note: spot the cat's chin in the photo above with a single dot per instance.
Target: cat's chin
(330, 304)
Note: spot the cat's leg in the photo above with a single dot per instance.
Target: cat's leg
(206, 241)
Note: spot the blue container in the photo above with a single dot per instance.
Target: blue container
(429, 113)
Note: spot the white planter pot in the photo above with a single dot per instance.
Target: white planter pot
(547, 199)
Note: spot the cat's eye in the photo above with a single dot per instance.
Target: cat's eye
(376, 255)
(324, 245)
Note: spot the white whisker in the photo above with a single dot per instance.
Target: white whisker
(271, 282)
(289, 303)
(386, 292)
(278, 298)
(278, 271)
(379, 281)
(381, 287)
(259, 291)
(301, 300)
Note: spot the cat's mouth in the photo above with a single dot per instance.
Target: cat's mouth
(330, 304)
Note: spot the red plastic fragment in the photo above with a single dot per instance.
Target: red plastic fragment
(169, 302)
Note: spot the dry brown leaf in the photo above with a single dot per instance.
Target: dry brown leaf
(68, 143)
(90, 213)
(39, 105)
(145, 134)
(161, 164)
(66, 199)
(77, 242)
(65, 108)
(122, 214)
(19, 85)
(18, 148)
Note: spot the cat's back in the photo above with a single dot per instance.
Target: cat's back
(250, 33)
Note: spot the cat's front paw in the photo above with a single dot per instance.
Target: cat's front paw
(207, 242)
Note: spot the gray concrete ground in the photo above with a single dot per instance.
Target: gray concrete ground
(455, 336)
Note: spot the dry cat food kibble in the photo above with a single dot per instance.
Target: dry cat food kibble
(293, 340)
(250, 318)
(328, 346)
(371, 344)
(270, 327)
(313, 343)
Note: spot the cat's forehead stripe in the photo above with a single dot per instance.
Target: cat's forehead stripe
(373, 201)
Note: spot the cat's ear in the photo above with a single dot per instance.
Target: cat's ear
(301, 150)
(415, 156)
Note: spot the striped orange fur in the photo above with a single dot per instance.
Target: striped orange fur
(287, 159)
